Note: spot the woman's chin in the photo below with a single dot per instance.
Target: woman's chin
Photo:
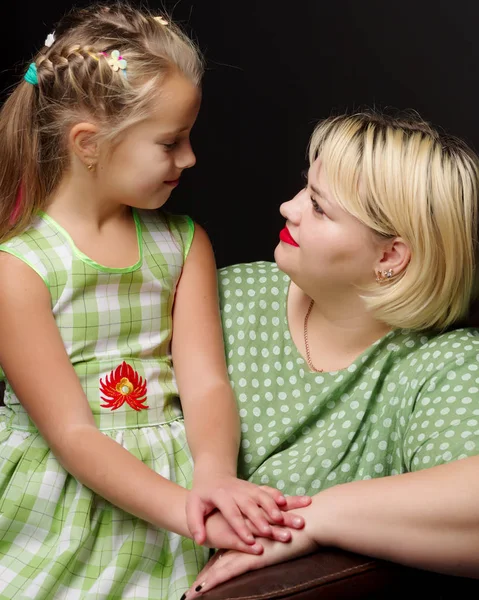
(280, 259)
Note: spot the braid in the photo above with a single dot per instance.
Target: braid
(65, 65)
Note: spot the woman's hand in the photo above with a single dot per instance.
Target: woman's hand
(228, 564)
(241, 502)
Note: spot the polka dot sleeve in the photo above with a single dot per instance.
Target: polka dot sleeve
(444, 424)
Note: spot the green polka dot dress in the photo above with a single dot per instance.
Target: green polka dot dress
(58, 539)
(409, 402)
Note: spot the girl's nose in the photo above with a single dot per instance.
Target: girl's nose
(185, 158)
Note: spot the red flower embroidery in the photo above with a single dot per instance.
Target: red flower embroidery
(124, 385)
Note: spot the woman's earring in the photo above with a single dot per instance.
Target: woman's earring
(382, 276)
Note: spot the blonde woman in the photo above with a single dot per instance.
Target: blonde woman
(352, 384)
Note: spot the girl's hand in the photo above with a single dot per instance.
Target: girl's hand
(219, 534)
(238, 500)
(228, 564)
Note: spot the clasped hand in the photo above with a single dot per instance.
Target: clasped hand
(223, 511)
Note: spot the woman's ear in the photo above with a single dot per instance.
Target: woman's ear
(394, 258)
(83, 142)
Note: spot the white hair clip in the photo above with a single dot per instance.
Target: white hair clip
(50, 40)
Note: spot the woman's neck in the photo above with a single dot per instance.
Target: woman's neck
(337, 330)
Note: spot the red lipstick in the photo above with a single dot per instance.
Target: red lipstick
(286, 237)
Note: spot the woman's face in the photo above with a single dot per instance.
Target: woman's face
(330, 249)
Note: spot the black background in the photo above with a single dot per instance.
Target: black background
(273, 70)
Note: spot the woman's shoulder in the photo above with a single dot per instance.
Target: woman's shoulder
(463, 341)
(427, 358)
(250, 276)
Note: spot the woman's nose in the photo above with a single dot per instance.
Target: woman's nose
(292, 209)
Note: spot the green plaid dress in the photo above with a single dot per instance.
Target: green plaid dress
(58, 539)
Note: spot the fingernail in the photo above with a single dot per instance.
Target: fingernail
(297, 522)
(277, 514)
(257, 548)
(284, 535)
(183, 597)
(198, 588)
(282, 499)
(266, 529)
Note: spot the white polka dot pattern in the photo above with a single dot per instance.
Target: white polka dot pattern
(409, 402)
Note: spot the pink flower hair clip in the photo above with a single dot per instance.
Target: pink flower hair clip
(116, 62)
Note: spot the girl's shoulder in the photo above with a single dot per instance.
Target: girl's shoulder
(40, 246)
(164, 227)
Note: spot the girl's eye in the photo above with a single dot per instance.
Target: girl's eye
(170, 146)
(316, 207)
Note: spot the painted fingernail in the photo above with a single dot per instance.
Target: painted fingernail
(198, 588)
(183, 597)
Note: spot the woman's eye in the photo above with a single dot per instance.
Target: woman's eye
(170, 146)
(316, 207)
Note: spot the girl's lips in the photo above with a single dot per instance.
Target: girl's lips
(285, 237)
(173, 183)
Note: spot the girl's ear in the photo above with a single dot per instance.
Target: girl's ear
(83, 142)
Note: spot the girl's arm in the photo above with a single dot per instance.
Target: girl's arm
(33, 357)
(428, 519)
(209, 406)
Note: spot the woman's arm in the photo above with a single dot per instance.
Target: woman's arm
(209, 406)
(428, 519)
(33, 357)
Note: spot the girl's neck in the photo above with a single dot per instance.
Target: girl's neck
(77, 199)
(104, 231)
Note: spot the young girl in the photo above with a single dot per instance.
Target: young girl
(95, 464)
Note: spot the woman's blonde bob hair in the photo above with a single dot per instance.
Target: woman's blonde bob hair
(401, 177)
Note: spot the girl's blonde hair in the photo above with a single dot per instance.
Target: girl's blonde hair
(401, 177)
(75, 82)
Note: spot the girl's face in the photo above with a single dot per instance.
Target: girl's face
(333, 249)
(146, 165)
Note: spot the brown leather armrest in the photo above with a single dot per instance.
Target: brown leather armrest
(333, 573)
